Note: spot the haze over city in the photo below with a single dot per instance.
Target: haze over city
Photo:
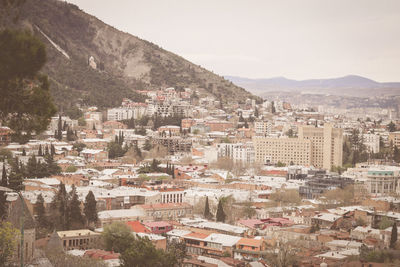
(262, 39)
(135, 133)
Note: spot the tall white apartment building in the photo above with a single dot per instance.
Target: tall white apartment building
(326, 145)
(126, 113)
(269, 150)
(319, 147)
(371, 141)
(240, 152)
(263, 128)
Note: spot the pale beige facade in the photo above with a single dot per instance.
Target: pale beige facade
(320, 147)
(394, 137)
(285, 150)
(326, 145)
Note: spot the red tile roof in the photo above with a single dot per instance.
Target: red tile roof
(196, 235)
(157, 224)
(137, 227)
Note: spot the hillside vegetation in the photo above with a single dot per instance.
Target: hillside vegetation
(125, 63)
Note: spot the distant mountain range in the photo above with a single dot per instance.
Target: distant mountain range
(347, 85)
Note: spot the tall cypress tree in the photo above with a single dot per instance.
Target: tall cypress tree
(4, 176)
(52, 150)
(41, 212)
(90, 209)
(3, 196)
(59, 208)
(221, 216)
(74, 210)
(173, 171)
(207, 213)
(40, 152)
(16, 177)
(59, 128)
(393, 237)
(32, 167)
(138, 152)
(3, 205)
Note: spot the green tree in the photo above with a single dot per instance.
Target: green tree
(59, 209)
(178, 251)
(385, 223)
(154, 165)
(4, 176)
(26, 105)
(142, 252)
(90, 209)
(70, 135)
(273, 107)
(81, 121)
(396, 154)
(147, 145)
(280, 164)
(207, 213)
(41, 212)
(290, 133)
(115, 150)
(3, 205)
(140, 131)
(8, 242)
(40, 152)
(74, 210)
(16, 176)
(59, 128)
(71, 168)
(32, 167)
(78, 146)
(221, 216)
(117, 237)
(51, 166)
(393, 236)
(52, 150)
(138, 152)
(391, 127)
(5, 154)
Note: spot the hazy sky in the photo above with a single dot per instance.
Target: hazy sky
(298, 39)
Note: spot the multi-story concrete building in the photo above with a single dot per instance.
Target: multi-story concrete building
(174, 143)
(382, 181)
(170, 194)
(394, 137)
(320, 147)
(371, 141)
(136, 111)
(79, 239)
(243, 152)
(326, 145)
(286, 150)
(263, 128)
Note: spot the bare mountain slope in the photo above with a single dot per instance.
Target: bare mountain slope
(125, 63)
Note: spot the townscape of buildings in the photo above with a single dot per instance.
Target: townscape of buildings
(281, 169)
